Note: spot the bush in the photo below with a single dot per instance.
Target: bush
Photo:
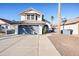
(45, 29)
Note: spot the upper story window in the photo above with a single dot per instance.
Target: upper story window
(32, 17)
(28, 17)
(36, 17)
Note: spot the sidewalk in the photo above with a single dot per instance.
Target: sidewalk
(46, 48)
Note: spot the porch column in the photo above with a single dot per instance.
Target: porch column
(25, 17)
(34, 16)
(30, 17)
(16, 29)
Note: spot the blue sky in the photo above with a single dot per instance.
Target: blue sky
(11, 11)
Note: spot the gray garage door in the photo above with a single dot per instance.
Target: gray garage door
(25, 29)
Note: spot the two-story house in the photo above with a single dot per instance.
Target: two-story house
(32, 22)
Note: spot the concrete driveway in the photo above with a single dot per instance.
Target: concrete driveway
(27, 45)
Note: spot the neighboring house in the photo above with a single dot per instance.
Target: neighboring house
(6, 24)
(72, 25)
(31, 22)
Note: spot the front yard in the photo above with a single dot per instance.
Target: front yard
(67, 45)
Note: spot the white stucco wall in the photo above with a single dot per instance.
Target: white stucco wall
(9, 27)
(16, 29)
(74, 27)
(22, 18)
(49, 25)
(40, 29)
(32, 12)
(40, 17)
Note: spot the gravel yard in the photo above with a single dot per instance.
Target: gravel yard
(67, 45)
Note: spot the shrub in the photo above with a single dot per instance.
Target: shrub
(45, 29)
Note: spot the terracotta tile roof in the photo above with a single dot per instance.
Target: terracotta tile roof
(10, 22)
(30, 22)
(30, 9)
(72, 21)
(46, 21)
(27, 22)
(7, 21)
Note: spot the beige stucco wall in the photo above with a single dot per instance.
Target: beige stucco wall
(78, 27)
(2, 22)
(74, 27)
(12, 26)
(9, 25)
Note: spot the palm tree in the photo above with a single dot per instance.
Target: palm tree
(64, 20)
(52, 24)
(52, 17)
(45, 29)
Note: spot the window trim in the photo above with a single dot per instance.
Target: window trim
(32, 17)
(28, 17)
